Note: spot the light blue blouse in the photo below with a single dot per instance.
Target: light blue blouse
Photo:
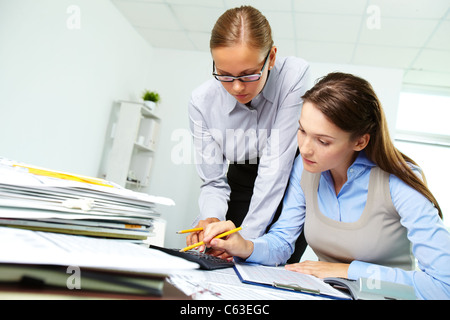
(429, 237)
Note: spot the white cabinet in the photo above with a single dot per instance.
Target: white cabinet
(130, 145)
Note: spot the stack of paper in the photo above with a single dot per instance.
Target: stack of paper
(40, 199)
(79, 264)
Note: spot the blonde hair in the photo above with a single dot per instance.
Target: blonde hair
(240, 25)
(351, 104)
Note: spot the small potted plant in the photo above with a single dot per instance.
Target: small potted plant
(151, 98)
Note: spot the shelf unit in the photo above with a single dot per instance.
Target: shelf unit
(130, 145)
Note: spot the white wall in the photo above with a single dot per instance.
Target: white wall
(387, 84)
(174, 175)
(57, 84)
(57, 87)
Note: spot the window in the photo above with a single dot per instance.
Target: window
(423, 133)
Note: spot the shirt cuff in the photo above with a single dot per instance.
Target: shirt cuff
(209, 210)
(357, 269)
(360, 269)
(260, 249)
(204, 217)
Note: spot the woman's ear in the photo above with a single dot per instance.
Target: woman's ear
(362, 142)
(273, 54)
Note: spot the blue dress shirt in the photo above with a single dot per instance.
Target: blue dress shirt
(429, 237)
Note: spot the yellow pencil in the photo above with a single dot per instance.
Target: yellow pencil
(198, 244)
(189, 230)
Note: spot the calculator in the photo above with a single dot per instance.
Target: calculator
(205, 261)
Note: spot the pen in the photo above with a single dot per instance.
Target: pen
(189, 230)
(198, 244)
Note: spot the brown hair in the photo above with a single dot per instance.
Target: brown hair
(244, 24)
(351, 104)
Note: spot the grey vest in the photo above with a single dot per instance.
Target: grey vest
(376, 237)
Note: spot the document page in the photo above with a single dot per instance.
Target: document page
(31, 247)
(224, 284)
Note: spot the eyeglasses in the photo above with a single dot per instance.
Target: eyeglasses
(246, 78)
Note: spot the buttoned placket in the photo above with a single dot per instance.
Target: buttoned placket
(254, 132)
(352, 173)
(254, 116)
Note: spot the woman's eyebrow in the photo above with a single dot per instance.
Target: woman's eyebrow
(317, 134)
(244, 72)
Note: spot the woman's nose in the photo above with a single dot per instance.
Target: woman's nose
(305, 146)
(238, 85)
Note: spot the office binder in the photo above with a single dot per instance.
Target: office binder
(372, 289)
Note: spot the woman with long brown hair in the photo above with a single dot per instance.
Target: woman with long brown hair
(363, 205)
(244, 122)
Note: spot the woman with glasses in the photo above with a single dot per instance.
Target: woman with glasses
(244, 122)
(364, 206)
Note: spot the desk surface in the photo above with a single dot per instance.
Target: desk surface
(222, 284)
(34, 249)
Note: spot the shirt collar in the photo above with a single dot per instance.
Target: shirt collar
(362, 160)
(360, 165)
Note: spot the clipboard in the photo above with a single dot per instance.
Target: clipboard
(281, 279)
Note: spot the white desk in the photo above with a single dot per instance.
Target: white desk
(50, 249)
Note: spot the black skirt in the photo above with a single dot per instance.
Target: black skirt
(241, 179)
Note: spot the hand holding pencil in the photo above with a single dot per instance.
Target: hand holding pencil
(197, 236)
(198, 244)
(224, 236)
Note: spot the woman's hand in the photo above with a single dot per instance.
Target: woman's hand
(196, 237)
(232, 245)
(320, 269)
